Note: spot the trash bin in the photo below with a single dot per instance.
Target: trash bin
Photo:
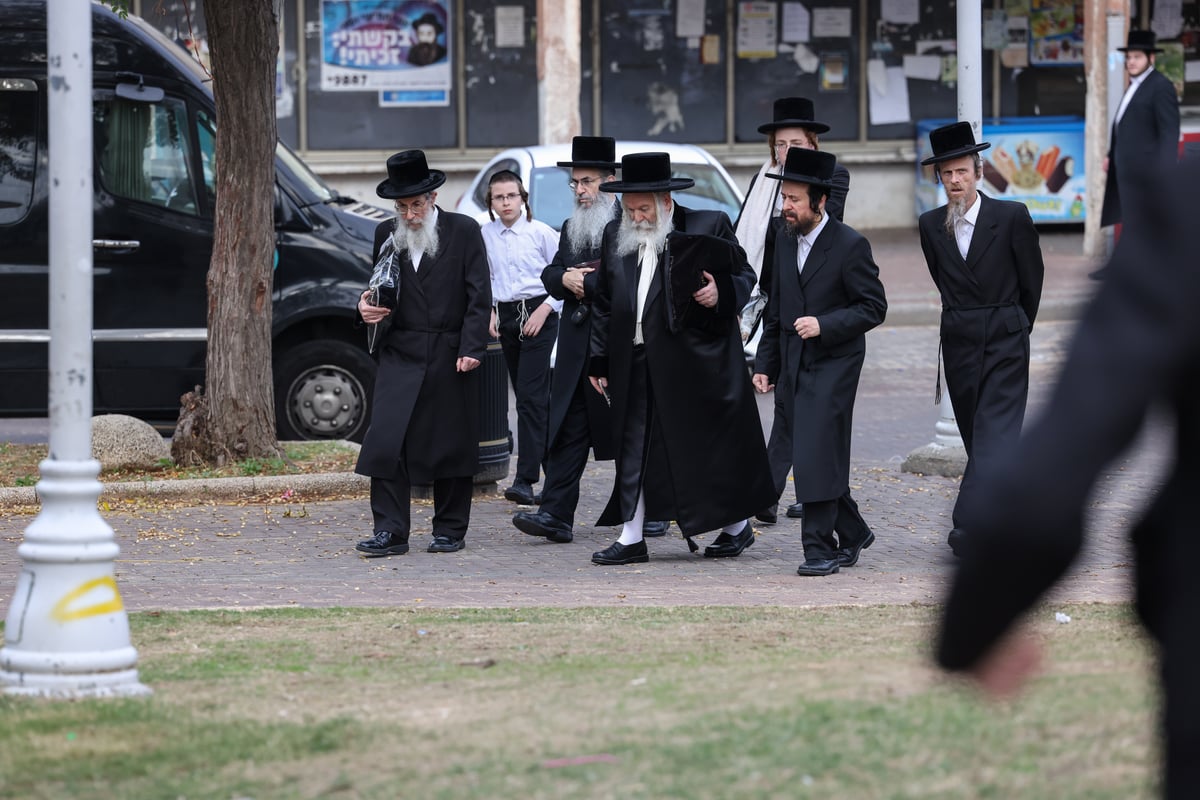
(495, 444)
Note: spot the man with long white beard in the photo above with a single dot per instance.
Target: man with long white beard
(689, 443)
(579, 418)
(984, 257)
(425, 423)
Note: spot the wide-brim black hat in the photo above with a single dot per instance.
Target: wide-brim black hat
(409, 175)
(428, 18)
(814, 167)
(592, 152)
(647, 172)
(1146, 41)
(793, 112)
(953, 141)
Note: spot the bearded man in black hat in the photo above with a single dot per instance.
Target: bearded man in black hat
(1144, 143)
(984, 257)
(689, 443)
(427, 50)
(825, 296)
(579, 417)
(792, 125)
(425, 414)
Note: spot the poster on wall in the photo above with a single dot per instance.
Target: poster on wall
(1055, 32)
(400, 48)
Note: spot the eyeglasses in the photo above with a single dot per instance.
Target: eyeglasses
(785, 146)
(588, 183)
(507, 198)
(416, 207)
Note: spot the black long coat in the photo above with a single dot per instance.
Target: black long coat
(989, 303)
(574, 337)
(1137, 347)
(715, 454)
(423, 408)
(1143, 146)
(839, 286)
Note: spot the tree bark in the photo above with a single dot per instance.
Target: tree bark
(237, 409)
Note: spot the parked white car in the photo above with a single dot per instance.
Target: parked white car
(552, 200)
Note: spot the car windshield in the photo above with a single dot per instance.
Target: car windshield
(553, 201)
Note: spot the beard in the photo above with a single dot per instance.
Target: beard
(423, 239)
(588, 224)
(651, 234)
(956, 212)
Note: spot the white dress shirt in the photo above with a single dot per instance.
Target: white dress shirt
(804, 244)
(965, 228)
(648, 258)
(516, 258)
(1134, 83)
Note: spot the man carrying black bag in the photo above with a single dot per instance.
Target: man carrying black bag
(425, 423)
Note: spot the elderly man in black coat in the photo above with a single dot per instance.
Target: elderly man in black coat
(425, 419)
(825, 296)
(1137, 347)
(984, 257)
(1144, 142)
(690, 446)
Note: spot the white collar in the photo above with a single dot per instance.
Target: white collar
(811, 237)
(973, 212)
(1135, 82)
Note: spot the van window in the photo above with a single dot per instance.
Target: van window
(206, 135)
(18, 146)
(143, 152)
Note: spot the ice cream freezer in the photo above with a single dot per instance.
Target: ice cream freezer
(1034, 160)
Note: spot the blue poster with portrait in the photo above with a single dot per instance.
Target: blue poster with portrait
(398, 46)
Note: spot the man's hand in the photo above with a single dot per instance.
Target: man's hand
(466, 363)
(371, 314)
(1105, 165)
(572, 280)
(762, 383)
(493, 331)
(807, 327)
(599, 384)
(1008, 666)
(536, 320)
(706, 295)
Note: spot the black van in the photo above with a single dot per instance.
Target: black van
(153, 229)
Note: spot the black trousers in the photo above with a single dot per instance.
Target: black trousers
(567, 458)
(823, 519)
(391, 501)
(528, 361)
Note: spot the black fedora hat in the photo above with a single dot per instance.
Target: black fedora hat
(1146, 41)
(793, 112)
(647, 172)
(409, 175)
(592, 152)
(953, 141)
(814, 167)
(428, 19)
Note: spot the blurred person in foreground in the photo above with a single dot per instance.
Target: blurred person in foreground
(1137, 347)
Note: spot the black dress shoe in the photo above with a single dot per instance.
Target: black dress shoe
(848, 556)
(383, 544)
(521, 492)
(957, 541)
(445, 544)
(617, 554)
(730, 545)
(539, 523)
(818, 567)
(657, 527)
(796, 511)
(768, 516)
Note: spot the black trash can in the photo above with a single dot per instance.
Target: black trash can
(495, 443)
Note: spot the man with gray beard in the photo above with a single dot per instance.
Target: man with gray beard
(984, 257)
(689, 443)
(425, 423)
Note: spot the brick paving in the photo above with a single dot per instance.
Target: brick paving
(211, 555)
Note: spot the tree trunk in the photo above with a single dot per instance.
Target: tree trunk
(236, 414)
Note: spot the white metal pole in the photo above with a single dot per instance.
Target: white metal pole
(67, 633)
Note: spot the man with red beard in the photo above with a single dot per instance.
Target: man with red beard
(984, 257)
(689, 443)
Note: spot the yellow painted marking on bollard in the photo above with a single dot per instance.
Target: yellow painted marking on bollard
(63, 613)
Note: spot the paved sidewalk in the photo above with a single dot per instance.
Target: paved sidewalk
(252, 555)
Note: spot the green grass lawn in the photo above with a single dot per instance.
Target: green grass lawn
(590, 703)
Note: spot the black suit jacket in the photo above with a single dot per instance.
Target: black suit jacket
(1142, 148)
(839, 286)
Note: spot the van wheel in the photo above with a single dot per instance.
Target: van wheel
(323, 391)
